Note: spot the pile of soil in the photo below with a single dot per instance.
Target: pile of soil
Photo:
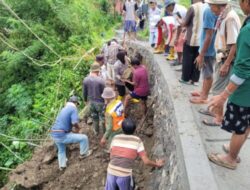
(42, 172)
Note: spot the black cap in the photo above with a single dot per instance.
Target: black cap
(128, 126)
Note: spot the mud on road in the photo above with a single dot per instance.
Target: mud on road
(42, 172)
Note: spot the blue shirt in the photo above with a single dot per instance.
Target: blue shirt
(67, 116)
(209, 21)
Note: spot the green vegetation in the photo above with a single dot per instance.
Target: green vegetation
(185, 3)
(41, 64)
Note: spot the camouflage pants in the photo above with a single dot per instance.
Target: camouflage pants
(97, 114)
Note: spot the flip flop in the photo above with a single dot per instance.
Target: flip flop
(205, 112)
(196, 93)
(213, 157)
(198, 100)
(225, 148)
(210, 123)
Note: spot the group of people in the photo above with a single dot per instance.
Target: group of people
(114, 81)
(208, 37)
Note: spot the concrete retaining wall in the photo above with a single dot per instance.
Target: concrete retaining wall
(177, 136)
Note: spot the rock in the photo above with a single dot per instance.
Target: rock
(90, 121)
(49, 156)
(149, 132)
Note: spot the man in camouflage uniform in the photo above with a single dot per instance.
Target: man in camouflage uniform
(93, 86)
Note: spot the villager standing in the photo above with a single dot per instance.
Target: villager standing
(228, 28)
(193, 24)
(62, 134)
(154, 16)
(93, 86)
(112, 51)
(120, 66)
(129, 12)
(206, 58)
(237, 116)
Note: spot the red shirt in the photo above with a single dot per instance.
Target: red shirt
(140, 78)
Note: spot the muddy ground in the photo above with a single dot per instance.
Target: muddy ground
(42, 172)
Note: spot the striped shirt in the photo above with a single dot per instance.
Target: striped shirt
(124, 150)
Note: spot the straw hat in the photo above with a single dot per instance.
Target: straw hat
(217, 2)
(108, 93)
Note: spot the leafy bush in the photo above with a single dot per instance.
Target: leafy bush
(36, 81)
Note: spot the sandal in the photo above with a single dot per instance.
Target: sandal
(198, 100)
(195, 93)
(225, 148)
(210, 123)
(205, 112)
(213, 157)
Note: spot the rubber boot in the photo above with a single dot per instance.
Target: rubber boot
(160, 48)
(171, 56)
(135, 100)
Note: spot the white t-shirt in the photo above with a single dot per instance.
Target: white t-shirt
(181, 10)
(154, 17)
(130, 7)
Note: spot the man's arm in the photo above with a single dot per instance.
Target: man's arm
(85, 91)
(109, 126)
(187, 20)
(232, 32)
(147, 161)
(207, 41)
(226, 65)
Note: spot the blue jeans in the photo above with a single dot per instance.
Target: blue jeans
(68, 139)
(153, 37)
(118, 183)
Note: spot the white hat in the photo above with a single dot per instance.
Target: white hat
(108, 93)
(217, 2)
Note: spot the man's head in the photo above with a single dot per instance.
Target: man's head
(108, 94)
(152, 4)
(169, 6)
(245, 6)
(74, 99)
(135, 62)
(128, 126)
(100, 59)
(217, 6)
(95, 68)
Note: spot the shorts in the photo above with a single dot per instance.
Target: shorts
(220, 83)
(121, 89)
(180, 42)
(236, 119)
(130, 26)
(208, 70)
(134, 95)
